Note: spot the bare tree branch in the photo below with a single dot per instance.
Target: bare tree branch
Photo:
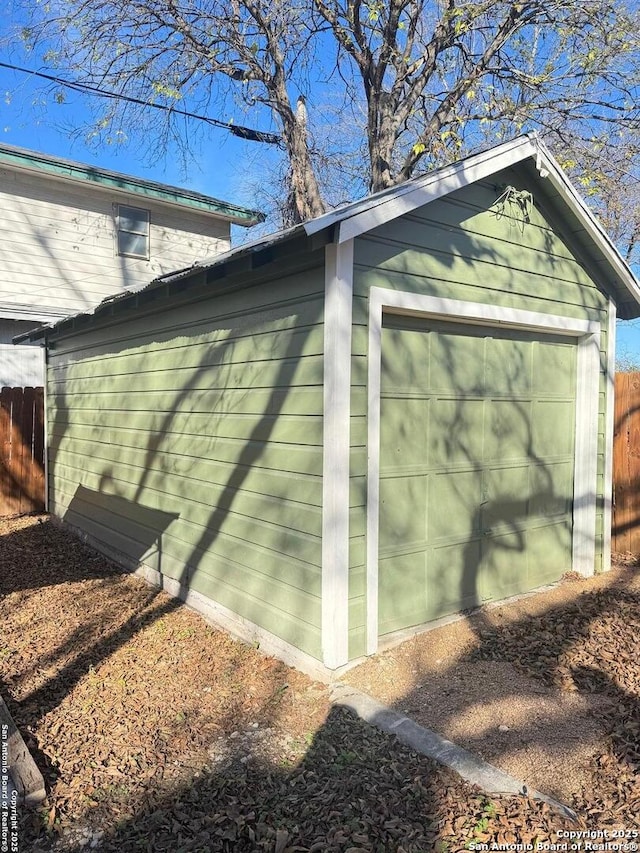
(430, 79)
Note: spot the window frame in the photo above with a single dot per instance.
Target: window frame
(142, 213)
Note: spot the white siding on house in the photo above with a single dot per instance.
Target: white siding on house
(58, 249)
(20, 366)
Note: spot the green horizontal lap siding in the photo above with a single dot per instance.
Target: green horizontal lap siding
(191, 438)
(237, 401)
(463, 247)
(173, 352)
(169, 551)
(280, 430)
(272, 477)
(208, 384)
(477, 251)
(233, 455)
(265, 518)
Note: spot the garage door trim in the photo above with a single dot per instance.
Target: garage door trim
(587, 333)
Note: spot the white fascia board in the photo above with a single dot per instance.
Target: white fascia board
(382, 207)
(336, 453)
(410, 196)
(361, 217)
(579, 208)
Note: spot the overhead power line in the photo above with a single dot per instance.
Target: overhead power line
(86, 88)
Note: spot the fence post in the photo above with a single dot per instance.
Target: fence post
(625, 533)
(21, 450)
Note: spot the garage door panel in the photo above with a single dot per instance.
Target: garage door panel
(455, 432)
(405, 360)
(508, 430)
(508, 367)
(402, 592)
(547, 548)
(503, 570)
(454, 505)
(403, 512)
(554, 366)
(452, 578)
(553, 428)
(505, 496)
(456, 363)
(403, 432)
(551, 488)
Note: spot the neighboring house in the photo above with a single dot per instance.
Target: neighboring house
(73, 234)
(394, 412)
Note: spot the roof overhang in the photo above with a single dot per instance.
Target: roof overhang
(68, 171)
(357, 219)
(238, 262)
(28, 313)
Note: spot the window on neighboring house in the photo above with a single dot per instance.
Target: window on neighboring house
(132, 224)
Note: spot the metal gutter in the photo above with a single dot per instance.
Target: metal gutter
(69, 170)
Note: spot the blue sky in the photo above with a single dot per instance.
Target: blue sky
(30, 119)
(221, 166)
(628, 343)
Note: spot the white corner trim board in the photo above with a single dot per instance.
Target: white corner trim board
(45, 417)
(608, 436)
(586, 454)
(587, 333)
(336, 453)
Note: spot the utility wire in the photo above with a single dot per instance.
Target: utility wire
(85, 88)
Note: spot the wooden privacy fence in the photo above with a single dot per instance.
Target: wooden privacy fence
(625, 532)
(21, 450)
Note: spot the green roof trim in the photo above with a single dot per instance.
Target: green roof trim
(153, 190)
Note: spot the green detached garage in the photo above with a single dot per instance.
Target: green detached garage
(395, 412)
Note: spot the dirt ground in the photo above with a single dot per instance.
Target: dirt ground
(535, 686)
(156, 732)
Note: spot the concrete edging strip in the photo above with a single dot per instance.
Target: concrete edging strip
(469, 766)
(26, 777)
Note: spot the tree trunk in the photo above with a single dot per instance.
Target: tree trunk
(381, 142)
(304, 199)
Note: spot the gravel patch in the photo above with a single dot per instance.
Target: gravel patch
(546, 688)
